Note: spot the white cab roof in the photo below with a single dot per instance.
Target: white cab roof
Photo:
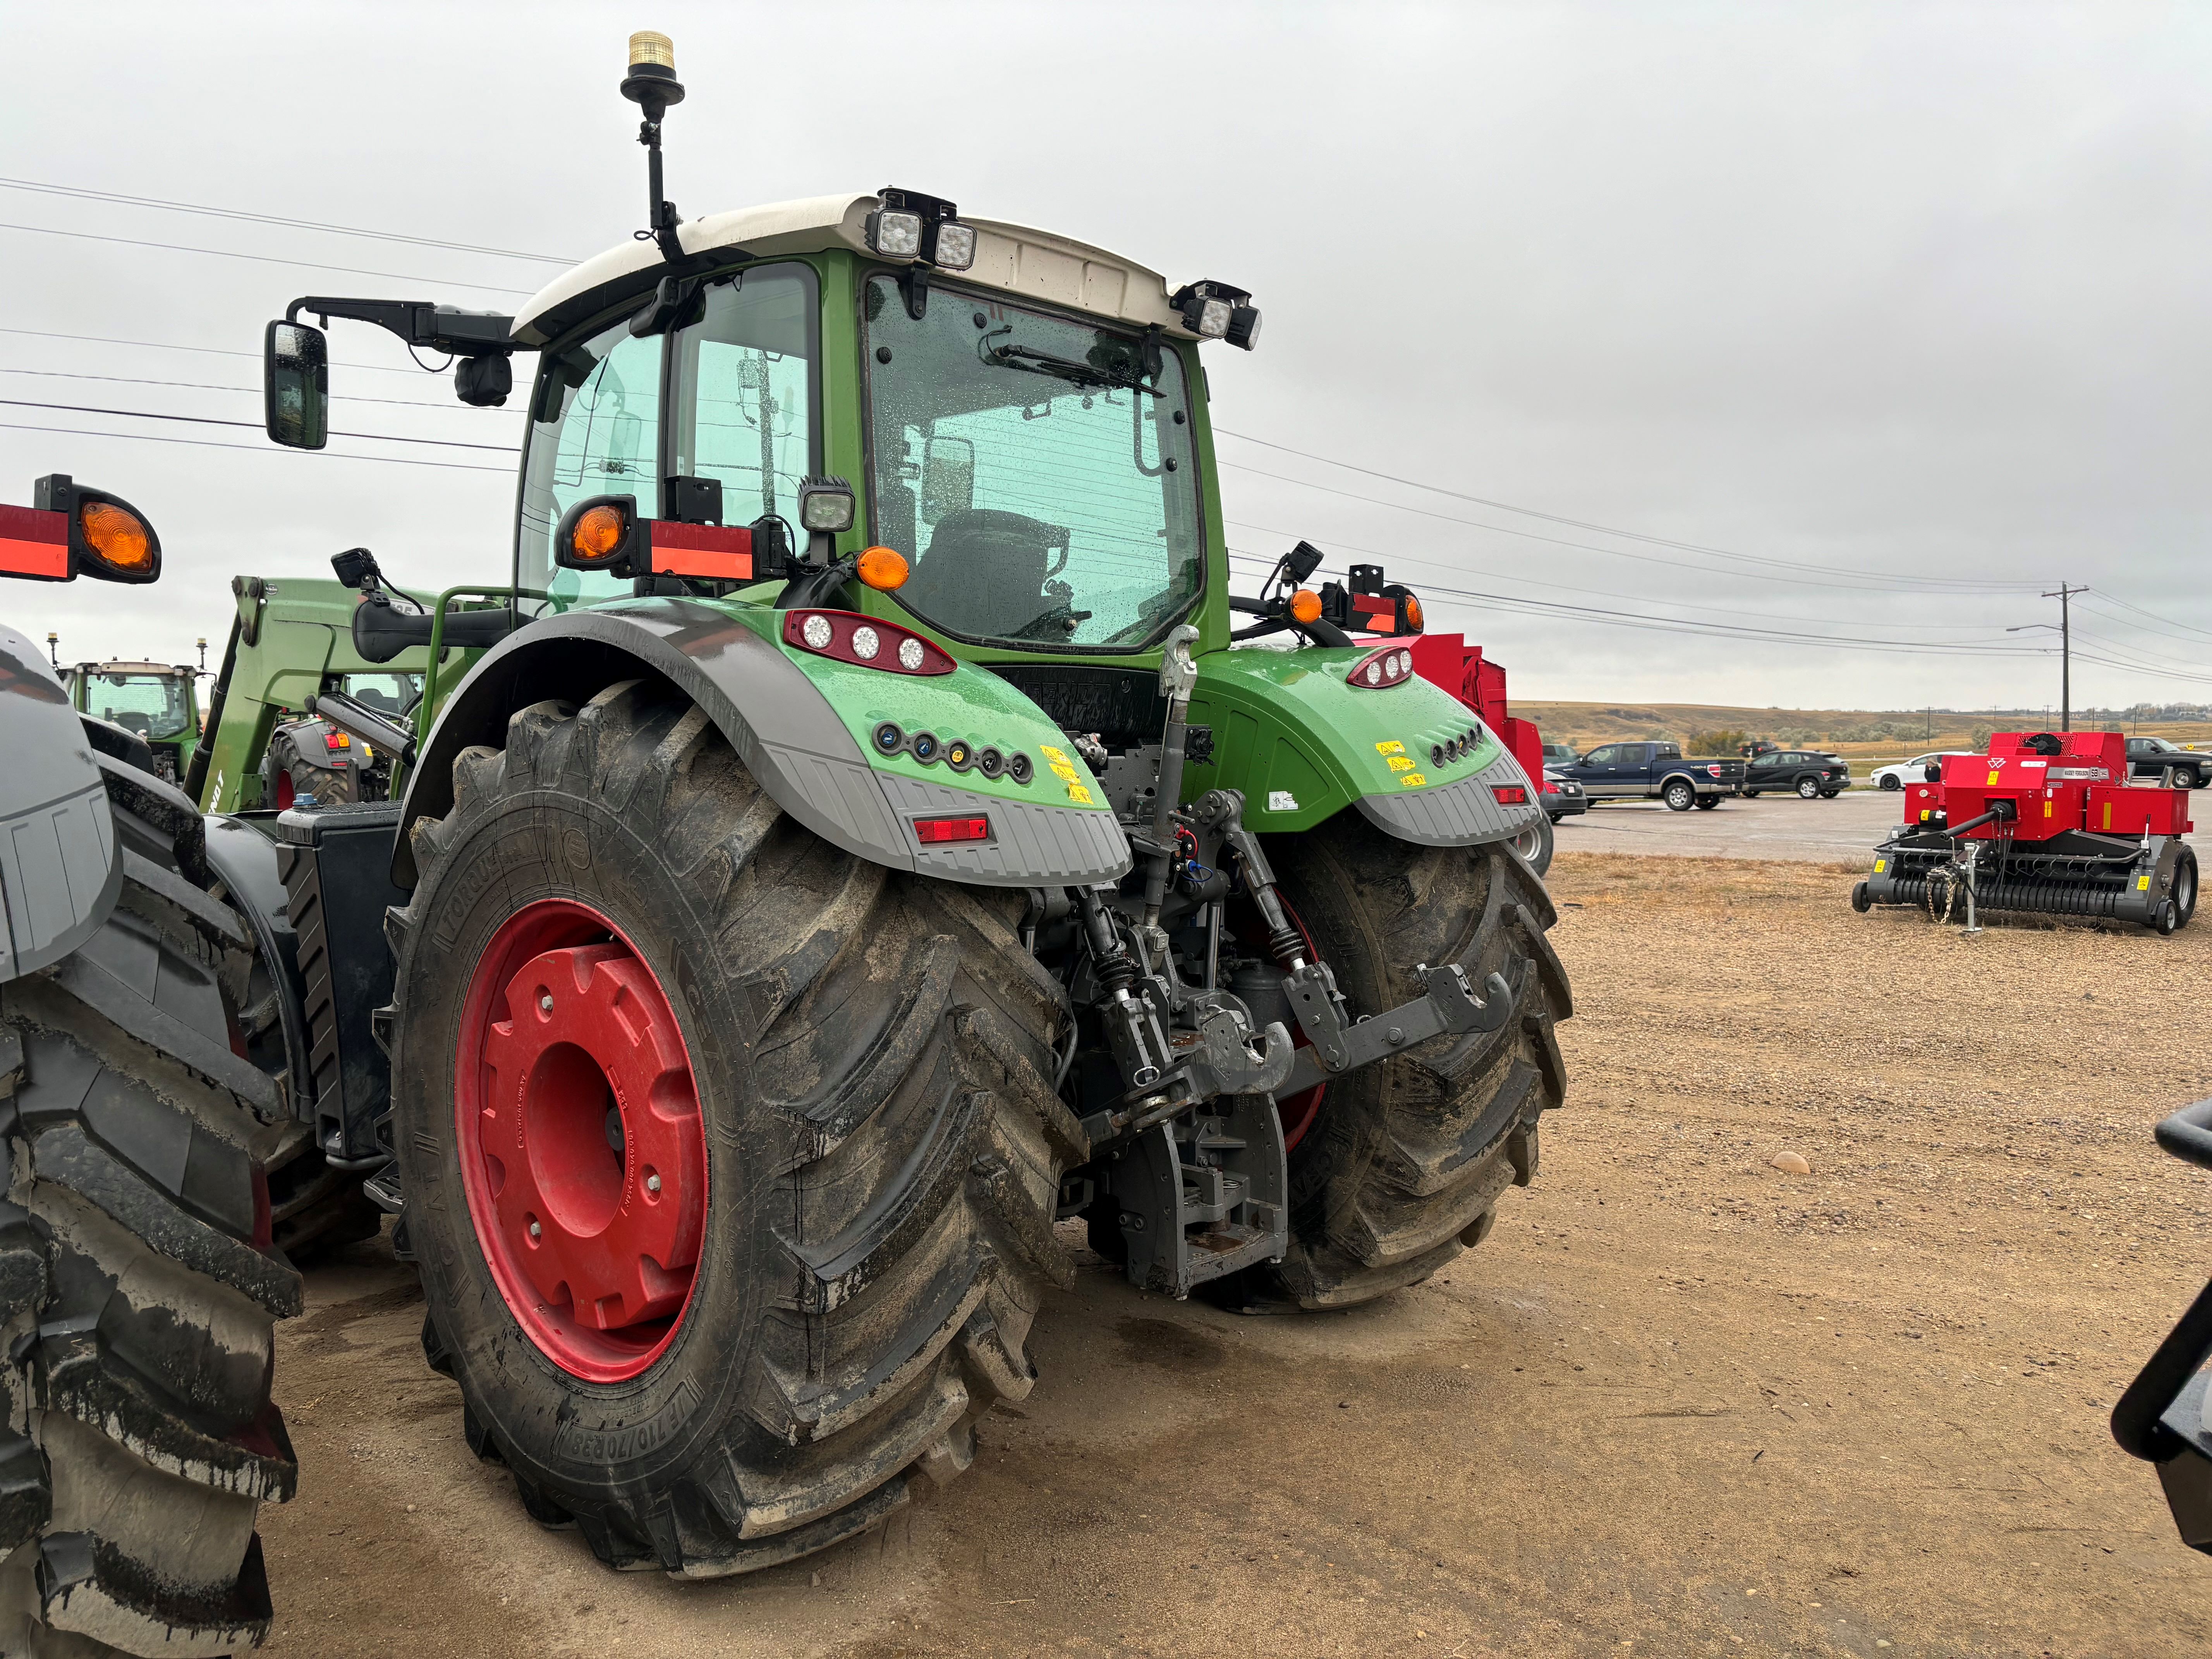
(1033, 264)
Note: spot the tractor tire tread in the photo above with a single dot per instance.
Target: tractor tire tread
(903, 1046)
(140, 1288)
(1406, 1164)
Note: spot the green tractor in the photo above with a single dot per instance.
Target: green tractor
(864, 831)
(155, 700)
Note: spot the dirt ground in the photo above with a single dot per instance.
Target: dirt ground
(1679, 1403)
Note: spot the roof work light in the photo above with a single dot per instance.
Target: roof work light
(1215, 311)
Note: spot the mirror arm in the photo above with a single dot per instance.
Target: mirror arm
(419, 323)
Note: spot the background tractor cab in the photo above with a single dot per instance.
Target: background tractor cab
(158, 702)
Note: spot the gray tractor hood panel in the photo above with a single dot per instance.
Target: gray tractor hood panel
(1462, 814)
(61, 863)
(786, 733)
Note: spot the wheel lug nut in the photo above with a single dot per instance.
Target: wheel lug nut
(545, 1003)
(652, 1183)
(536, 1231)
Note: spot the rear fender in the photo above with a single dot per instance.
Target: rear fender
(791, 738)
(61, 862)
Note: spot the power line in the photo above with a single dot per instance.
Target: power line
(1576, 524)
(1531, 581)
(254, 449)
(1591, 547)
(250, 425)
(248, 391)
(212, 351)
(81, 193)
(261, 258)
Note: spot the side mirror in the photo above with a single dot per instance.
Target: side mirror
(295, 385)
(70, 530)
(948, 476)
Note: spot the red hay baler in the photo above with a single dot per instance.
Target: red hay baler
(2044, 823)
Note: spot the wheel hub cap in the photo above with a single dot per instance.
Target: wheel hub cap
(582, 1151)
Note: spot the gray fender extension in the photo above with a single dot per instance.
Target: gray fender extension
(1467, 813)
(789, 737)
(61, 864)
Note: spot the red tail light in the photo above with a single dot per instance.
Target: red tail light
(868, 640)
(1509, 794)
(932, 832)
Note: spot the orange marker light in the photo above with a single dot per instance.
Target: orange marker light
(116, 535)
(1305, 606)
(598, 534)
(883, 569)
(1412, 613)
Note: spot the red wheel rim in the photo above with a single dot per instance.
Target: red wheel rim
(582, 1152)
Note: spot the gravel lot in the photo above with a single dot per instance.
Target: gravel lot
(1679, 1403)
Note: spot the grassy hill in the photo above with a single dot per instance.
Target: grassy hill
(1853, 733)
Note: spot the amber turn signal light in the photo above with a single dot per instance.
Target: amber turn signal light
(1305, 606)
(116, 535)
(883, 569)
(1413, 622)
(597, 535)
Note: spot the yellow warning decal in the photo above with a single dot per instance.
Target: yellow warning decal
(1052, 754)
(2142, 883)
(1412, 780)
(1994, 775)
(1399, 764)
(1065, 772)
(1393, 747)
(1079, 795)
(1880, 865)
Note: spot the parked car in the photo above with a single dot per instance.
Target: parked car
(2150, 756)
(1653, 771)
(1896, 775)
(1808, 772)
(1563, 796)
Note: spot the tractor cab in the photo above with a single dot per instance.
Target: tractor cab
(154, 700)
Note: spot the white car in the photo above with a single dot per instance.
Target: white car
(1912, 771)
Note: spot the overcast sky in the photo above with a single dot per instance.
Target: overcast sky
(1862, 323)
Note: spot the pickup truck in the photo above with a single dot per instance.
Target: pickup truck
(1653, 771)
(2150, 758)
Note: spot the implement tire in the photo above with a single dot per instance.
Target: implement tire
(823, 1207)
(138, 1288)
(1407, 1161)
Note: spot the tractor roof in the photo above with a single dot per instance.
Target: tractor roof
(170, 669)
(1033, 264)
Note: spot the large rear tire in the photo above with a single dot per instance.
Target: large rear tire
(1405, 1166)
(137, 1284)
(850, 1118)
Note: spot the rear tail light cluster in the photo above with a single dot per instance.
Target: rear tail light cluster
(1509, 794)
(1391, 666)
(962, 756)
(1458, 748)
(1713, 771)
(869, 642)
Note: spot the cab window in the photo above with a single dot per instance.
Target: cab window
(602, 439)
(745, 392)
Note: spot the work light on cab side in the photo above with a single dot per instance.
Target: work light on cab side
(872, 831)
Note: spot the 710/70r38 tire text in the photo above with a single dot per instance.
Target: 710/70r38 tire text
(730, 1159)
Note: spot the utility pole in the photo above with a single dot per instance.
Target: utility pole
(2065, 596)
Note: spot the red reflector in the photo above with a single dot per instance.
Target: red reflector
(34, 543)
(723, 552)
(930, 831)
(1509, 794)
